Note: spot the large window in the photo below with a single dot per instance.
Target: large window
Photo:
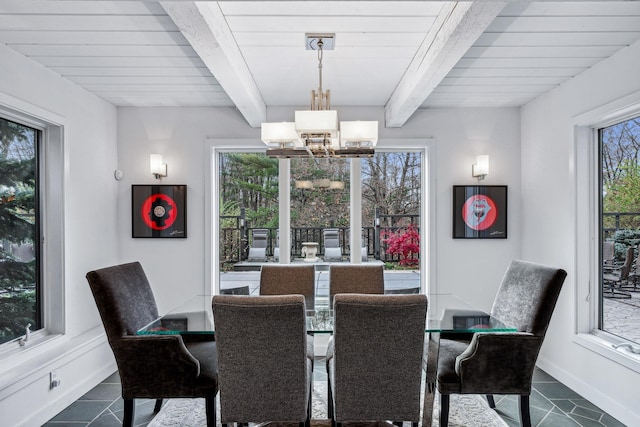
(317, 195)
(619, 146)
(20, 292)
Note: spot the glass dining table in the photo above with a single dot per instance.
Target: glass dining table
(446, 313)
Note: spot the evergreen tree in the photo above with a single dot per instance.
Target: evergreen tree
(17, 230)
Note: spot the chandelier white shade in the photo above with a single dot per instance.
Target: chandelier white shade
(280, 134)
(359, 133)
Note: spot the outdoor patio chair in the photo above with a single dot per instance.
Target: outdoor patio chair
(332, 249)
(616, 278)
(634, 274)
(258, 249)
(608, 254)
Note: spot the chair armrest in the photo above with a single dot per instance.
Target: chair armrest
(154, 365)
(500, 363)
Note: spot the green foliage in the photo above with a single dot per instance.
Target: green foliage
(15, 313)
(250, 180)
(18, 304)
(623, 194)
(622, 240)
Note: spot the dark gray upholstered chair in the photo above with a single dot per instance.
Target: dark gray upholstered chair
(332, 249)
(150, 366)
(263, 369)
(375, 370)
(353, 278)
(503, 363)
(287, 279)
(258, 248)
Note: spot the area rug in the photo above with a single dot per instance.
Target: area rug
(465, 411)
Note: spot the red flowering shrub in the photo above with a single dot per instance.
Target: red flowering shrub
(404, 243)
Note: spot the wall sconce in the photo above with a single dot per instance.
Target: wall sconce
(480, 169)
(158, 169)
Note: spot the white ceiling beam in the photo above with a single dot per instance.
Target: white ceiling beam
(206, 29)
(456, 29)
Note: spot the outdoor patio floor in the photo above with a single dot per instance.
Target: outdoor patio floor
(393, 280)
(622, 316)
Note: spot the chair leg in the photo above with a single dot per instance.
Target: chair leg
(307, 422)
(157, 406)
(210, 409)
(129, 412)
(490, 401)
(444, 410)
(525, 415)
(329, 402)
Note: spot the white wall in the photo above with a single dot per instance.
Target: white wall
(81, 356)
(177, 267)
(549, 215)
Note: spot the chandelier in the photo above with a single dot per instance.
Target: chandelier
(315, 132)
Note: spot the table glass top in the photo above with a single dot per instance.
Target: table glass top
(445, 313)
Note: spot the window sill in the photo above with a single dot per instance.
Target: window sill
(42, 354)
(603, 347)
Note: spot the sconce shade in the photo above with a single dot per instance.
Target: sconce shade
(156, 166)
(481, 168)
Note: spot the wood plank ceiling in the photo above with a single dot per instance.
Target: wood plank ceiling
(400, 55)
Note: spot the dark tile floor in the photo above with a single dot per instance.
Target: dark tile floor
(552, 405)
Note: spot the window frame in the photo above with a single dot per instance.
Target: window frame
(587, 184)
(50, 244)
(428, 203)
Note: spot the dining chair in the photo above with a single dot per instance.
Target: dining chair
(350, 279)
(369, 378)
(150, 366)
(264, 373)
(285, 279)
(503, 363)
(353, 278)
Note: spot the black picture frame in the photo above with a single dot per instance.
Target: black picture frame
(479, 211)
(159, 211)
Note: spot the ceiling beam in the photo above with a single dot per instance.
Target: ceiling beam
(457, 27)
(205, 28)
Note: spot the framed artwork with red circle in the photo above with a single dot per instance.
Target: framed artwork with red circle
(159, 211)
(479, 211)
